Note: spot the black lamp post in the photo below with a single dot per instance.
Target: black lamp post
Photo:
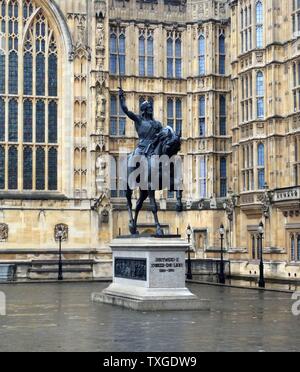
(60, 269)
(189, 274)
(262, 283)
(222, 271)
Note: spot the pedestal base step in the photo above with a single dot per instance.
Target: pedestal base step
(160, 304)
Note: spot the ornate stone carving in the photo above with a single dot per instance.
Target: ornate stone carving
(3, 232)
(65, 232)
(266, 201)
(101, 173)
(230, 204)
(105, 216)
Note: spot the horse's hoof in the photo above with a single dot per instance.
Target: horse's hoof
(160, 232)
(133, 229)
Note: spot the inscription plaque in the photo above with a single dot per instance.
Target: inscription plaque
(131, 268)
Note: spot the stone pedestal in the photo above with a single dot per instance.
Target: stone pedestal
(149, 275)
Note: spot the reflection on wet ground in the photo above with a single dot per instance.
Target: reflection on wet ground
(249, 283)
(61, 317)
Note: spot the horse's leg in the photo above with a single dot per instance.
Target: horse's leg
(139, 206)
(132, 227)
(159, 230)
(179, 206)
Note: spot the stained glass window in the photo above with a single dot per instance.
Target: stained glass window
(52, 75)
(27, 170)
(52, 126)
(36, 115)
(27, 121)
(2, 120)
(40, 169)
(40, 122)
(13, 121)
(2, 168)
(28, 74)
(13, 168)
(52, 169)
(2, 72)
(40, 74)
(13, 73)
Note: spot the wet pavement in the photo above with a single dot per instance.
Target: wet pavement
(61, 317)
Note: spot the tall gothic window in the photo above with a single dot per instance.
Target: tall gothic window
(117, 118)
(201, 52)
(260, 92)
(202, 116)
(259, 25)
(28, 99)
(222, 123)
(146, 54)
(246, 29)
(203, 177)
(117, 52)
(174, 56)
(222, 55)
(174, 112)
(223, 177)
(296, 17)
(261, 166)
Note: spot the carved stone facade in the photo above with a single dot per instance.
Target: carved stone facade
(231, 52)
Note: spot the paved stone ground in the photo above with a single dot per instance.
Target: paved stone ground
(60, 317)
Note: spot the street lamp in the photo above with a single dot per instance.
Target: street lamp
(189, 232)
(262, 283)
(60, 234)
(222, 273)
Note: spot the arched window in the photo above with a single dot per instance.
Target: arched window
(203, 177)
(174, 112)
(178, 57)
(202, 116)
(293, 250)
(146, 54)
(222, 55)
(117, 41)
(222, 128)
(298, 248)
(29, 99)
(174, 57)
(259, 24)
(170, 65)
(142, 56)
(117, 118)
(261, 166)
(260, 92)
(223, 177)
(201, 51)
(113, 53)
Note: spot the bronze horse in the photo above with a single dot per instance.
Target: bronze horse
(154, 140)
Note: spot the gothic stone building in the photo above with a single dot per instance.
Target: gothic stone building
(225, 72)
